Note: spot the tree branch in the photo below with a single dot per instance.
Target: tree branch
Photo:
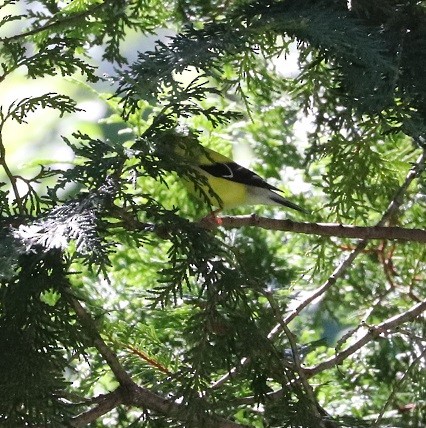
(58, 23)
(142, 398)
(325, 229)
(344, 265)
(314, 405)
(130, 393)
(373, 333)
(377, 422)
(3, 163)
(107, 403)
(121, 375)
(341, 269)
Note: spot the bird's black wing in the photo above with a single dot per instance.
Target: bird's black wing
(233, 172)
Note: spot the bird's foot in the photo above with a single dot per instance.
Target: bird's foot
(211, 219)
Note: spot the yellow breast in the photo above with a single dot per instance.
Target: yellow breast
(231, 194)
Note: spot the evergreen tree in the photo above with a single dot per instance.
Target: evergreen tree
(119, 307)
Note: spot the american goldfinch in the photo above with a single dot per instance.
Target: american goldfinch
(229, 185)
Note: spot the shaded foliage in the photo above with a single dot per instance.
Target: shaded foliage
(196, 315)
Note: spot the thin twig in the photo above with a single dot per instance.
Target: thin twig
(144, 356)
(344, 265)
(106, 404)
(133, 394)
(7, 170)
(395, 388)
(296, 357)
(390, 325)
(67, 19)
(341, 269)
(373, 333)
(121, 375)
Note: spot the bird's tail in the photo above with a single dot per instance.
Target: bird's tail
(285, 202)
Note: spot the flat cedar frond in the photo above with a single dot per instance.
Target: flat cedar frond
(77, 222)
(202, 324)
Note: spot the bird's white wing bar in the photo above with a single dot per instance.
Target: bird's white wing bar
(234, 172)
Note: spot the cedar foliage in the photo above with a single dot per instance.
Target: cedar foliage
(108, 288)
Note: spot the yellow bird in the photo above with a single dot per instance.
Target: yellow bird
(232, 184)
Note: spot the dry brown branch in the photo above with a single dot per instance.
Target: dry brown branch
(326, 229)
(129, 393)
(106, 404)
(296, 357)
(86, 320)
(8, 172)
(373, 332)
(343, 266)
(377, 422)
